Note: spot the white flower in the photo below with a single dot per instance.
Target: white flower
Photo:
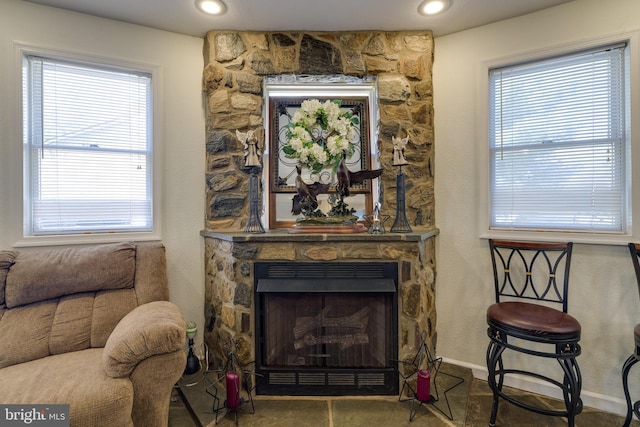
(332, 145)
(296, 144)
(332, 109)
(298, 116)
(319, 154)
(319, 133)
(304, 155)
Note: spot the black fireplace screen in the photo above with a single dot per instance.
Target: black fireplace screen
(319, 322)
(326, 330)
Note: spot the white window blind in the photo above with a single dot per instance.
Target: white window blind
(557, 137)
(88, 136)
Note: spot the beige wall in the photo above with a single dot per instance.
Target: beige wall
(603, 293)
(180, 134)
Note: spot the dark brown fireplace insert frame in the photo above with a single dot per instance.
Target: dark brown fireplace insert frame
(373, 283)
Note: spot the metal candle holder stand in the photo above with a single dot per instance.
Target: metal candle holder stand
(376, 221)
(434, 366)
(253, 225)
(401, 224)
(233, 366)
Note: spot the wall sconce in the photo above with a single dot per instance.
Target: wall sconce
(433, 7)
(211, 7)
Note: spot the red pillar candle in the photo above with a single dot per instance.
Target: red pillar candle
(423, 388)
(233, 390)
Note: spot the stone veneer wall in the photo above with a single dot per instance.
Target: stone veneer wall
(235, 63)
(230, 282)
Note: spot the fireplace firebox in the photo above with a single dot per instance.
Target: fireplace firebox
(326, 328)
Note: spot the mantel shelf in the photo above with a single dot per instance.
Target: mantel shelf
(284, 236)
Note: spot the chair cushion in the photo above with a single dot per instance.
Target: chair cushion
(75, 378)
(533, 321)
(51, 273)
(70, 323)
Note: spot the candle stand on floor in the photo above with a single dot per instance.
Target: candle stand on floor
(423, 367)
(236, 378)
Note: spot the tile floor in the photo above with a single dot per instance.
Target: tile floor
(470, 405)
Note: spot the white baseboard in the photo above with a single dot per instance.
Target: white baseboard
(533, 385)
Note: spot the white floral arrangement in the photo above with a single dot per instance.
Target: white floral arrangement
(319, 133)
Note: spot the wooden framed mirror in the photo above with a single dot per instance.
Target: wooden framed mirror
(282, 99)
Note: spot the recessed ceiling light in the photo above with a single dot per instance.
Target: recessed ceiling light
(433, 7)
(211, 7)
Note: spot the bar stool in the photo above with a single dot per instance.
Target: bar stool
(531, 279)
(634, 248)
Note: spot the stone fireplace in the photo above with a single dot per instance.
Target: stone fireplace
(235, 65)
(231, 284)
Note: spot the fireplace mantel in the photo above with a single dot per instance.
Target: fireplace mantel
(285, 236)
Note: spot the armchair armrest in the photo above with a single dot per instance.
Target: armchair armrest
(150, 329)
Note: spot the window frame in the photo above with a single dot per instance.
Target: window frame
(23, 236)
(632, 147)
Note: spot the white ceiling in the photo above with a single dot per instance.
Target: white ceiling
(181, 16)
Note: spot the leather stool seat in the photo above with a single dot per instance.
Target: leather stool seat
(535, 320)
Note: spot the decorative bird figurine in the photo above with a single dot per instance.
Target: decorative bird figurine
(346, 178)
(307, 194)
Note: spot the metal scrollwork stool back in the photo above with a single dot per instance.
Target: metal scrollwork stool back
(634, 248)
(530, 316)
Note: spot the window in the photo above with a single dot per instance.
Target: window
(558, 142)
(88, 152)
